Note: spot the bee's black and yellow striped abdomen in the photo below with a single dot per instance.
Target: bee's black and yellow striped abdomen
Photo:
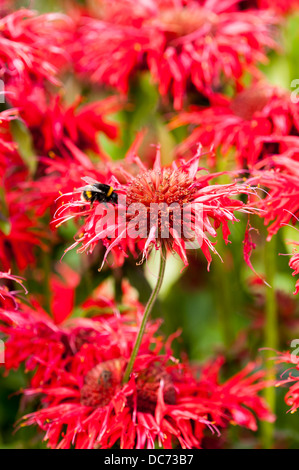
(99, 192)
(110, 191)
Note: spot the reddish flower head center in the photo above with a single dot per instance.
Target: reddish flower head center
(249, 102)
(105, 380)
(161, 186)
(183, 21)
(101, 383)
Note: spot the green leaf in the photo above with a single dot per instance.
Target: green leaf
(23, 138)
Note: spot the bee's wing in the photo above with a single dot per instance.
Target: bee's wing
(89, 180)
(91, 188)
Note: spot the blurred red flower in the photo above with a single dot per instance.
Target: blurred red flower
(33, 46)
(183, 44)
(8, 299)
(163, 403)
(56, 127)
(292, 360)
(20, 233)
(77, 368)
(258, 122)
(294, 264)
(280, 6)
(280, 178)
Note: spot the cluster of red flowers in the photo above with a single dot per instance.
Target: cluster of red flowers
(78, 366)
(183, 44)
(53, 159)
(260, 121)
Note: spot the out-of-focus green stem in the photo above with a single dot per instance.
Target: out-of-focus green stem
(147, 311)
(46, 264)
(270, 335)
(223, 294)
(222, 275)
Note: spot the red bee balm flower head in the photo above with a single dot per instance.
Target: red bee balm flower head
(32, 46)
(291, 380)
(56, 128)
(77, 368)
(162, 404)
(175, 207)
(259, 121)
(181, 43)
(280, 177)
(294, 264)
(8, 298)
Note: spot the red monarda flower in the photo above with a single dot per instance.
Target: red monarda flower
(6, 141)
(20, 229)
(56, 127)
(61, 173)
(183, 44)
(294, 264)
(162, 404)
(8, 298)
(175, 207)
(279, 176)
(290, 376)
(19, 235)
(279, 6)
(32, 46)
(10, 160)
(259, 121)
(77, 368)
(46, 343)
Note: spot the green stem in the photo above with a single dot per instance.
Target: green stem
(270, 335)
(224, 295)
(147, 311)
(46, 263)
(223, 278)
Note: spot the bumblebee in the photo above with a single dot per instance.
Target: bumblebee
(100, 192)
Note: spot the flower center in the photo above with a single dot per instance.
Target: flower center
(157, 186)
(102, 382)
(182, 21)
(105, 380)
(147, 385)
(249, 102)
(160, 196)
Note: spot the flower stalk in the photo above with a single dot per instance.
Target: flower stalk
(270, 335)
(147, 311)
